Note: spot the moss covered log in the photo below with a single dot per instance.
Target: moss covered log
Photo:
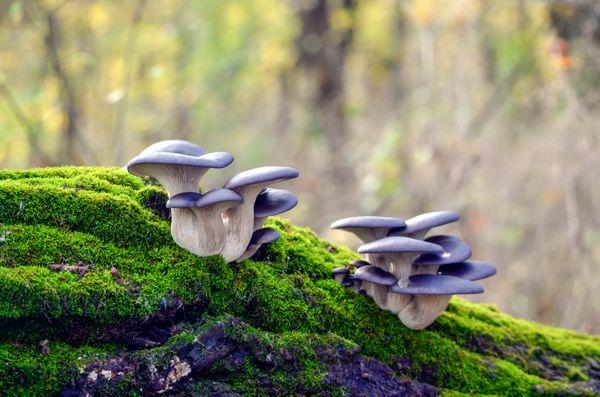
(96, 299)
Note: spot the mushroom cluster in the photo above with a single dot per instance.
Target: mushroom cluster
(227, 220)
(411, 276)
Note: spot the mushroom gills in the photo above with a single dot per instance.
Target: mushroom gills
(422, 310)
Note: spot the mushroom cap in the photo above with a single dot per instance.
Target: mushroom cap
(359, 264)
(454, 252)
(340, 270)
(434, 284)
(274, 202)
(214, 196)
(468, 270)
(369, 222)
(183, 200)
(264, 235)
(261, 175)
(208, 160)
(426, 221)
(375, 275)
(392, 245)
(176, 146)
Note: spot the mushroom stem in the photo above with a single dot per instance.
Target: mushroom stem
(199, 230)
(239, 223)
(258, 223)
(175, 179)
(377, 292)
(423, 310)
(396, 302)
(356, 285)
(425, 269)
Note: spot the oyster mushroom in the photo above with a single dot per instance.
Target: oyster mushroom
(454, 251)
(177, 172)
(375, 282)
(196, 222)
(430, 296)
(271, 202)
(469, 270)
(418, 226)
(239, 221)
(396, 254)
(262, 236)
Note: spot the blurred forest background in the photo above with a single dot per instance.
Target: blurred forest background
(490, 108)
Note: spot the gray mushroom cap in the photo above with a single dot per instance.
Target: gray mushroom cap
(468, 270)
(183, 200)
(176, 146)
(454, 252)
(424, 222)
(368, 228)
(264, 236)
(274, 202)
(208, 160)
(433, 284)
(359, 264)
(397, 245)
(261, 175)
(375, 275)
(368, 222)
(215, 196)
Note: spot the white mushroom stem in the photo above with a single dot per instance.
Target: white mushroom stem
(258, 223)
(356, 285)
(396, 302)
(174, 178)
(422, 310)
(239, 222)
(425, 269)
(399, 264)
(200, 230)
(377, 292)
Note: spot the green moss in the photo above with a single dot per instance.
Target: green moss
(104, 218)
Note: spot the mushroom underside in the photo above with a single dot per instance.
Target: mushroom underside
(422, 310)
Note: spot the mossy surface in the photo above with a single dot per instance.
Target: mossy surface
(114, 225)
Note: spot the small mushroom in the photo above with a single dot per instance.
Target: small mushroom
(375, 282)
(431, 294)
(340, 273)
(469, 270)
(196, 223)
(272, 202)
(418, 226)
(454, 251)
(177, 172)
(176, 146)
(369, 228)
(239, 221)
(262, 236)
(396, 254)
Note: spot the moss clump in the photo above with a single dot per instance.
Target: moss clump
(114, 225)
